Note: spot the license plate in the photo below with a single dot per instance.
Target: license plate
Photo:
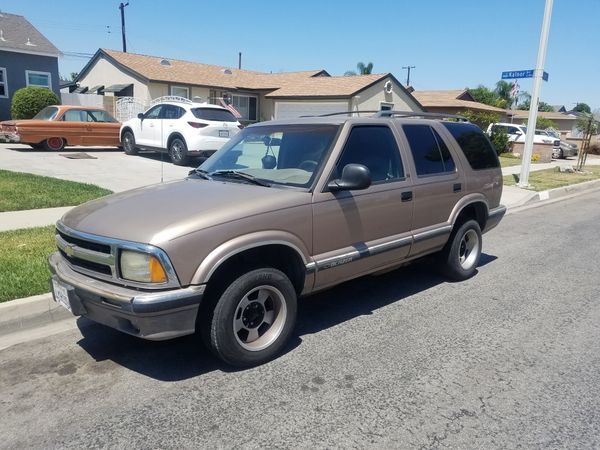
(223, 133)
(61, 295)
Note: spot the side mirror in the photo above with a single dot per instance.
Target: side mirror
(140, 116)
(354, 177)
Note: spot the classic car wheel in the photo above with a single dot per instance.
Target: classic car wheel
(128, 141)
(178, 152)
(461, 254)
(254, 318)
(54, 144)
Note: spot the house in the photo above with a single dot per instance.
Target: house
(565, 122)
(27, 58)
(256, 95)
(455, 102)
(559, 108)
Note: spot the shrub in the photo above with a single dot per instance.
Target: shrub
(481, 119)
(29, 101)
(499, 140)
(535, 157)
(594, 149)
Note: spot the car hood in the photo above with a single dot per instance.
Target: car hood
(159, 213)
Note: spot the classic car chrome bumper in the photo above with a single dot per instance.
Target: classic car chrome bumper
(156, 315)
(10, 137)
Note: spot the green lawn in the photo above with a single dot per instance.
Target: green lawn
(19, 191)
(507, 161)
(542, 180)
(23, 267)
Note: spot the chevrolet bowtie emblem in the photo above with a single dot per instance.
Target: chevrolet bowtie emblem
(70, 249)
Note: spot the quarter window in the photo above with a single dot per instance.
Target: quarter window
(374, 147)
(3, 84)
(39, 79)
(475, 145)
(430, 153)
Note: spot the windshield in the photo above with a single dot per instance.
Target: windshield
(48, 113)
(278, 154)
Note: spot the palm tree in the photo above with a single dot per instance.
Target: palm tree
(362, 69)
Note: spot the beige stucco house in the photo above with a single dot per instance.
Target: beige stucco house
(256, 95)
(456, 101)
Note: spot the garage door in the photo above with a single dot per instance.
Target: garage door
(291, 110)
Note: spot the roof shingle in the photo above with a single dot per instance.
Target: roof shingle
(16, 33)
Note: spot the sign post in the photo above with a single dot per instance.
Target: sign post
(538, 76)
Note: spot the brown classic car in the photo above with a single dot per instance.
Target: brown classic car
(54, 127)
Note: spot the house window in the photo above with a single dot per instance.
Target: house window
(385, 106)
(39, 79)
(247, 106)
(180, 91)
(3, 84)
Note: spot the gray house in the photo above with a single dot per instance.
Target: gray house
(27, 58)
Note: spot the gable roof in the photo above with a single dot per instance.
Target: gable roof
(326, 86)
(171, 70)
(452, 99)
(524, 114)
(18, 35)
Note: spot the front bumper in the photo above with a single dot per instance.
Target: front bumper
(150, 315)
(10, 137)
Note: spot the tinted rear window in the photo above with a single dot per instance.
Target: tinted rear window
(429, 150)
(474, 144)
(215, 114)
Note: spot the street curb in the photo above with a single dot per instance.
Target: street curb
(30, 312)
(555, 193)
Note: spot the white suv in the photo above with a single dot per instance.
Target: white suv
(180, 127)
(517, 133)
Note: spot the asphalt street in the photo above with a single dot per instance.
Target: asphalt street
(509, 358)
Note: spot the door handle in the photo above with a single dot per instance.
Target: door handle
(457, 187)
(406, 196)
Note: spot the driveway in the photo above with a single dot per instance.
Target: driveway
(107, 167)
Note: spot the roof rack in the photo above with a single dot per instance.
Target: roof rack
(425, 115)
(342, 113)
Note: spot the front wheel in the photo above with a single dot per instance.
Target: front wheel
(254, 318)
(178, 152)
(460, 256)
(128, 141)
(54, 144)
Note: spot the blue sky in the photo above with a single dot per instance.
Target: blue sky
(453, 44)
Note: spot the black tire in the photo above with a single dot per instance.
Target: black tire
(178, 152)
(240, 306)
(128, 140)
(54, 144)
(460, 257)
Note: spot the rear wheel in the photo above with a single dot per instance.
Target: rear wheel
(128, 141)
(178, 152)
(460, 257)
(54, 144)
(253, 318)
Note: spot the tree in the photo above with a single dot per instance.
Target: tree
(542, 123)
(362, 69)
(587, 123)
(503, 90)
(545, 107)
(481, 119)
(74, 75)
(29, 101)
(484, 95)
(583, 108)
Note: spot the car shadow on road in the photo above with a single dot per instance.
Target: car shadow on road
(65, 150)
(161, 156)
(187, 357)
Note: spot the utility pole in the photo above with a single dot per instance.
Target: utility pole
(239, 60)
(408, 76)
(535, 96)
(122, 8)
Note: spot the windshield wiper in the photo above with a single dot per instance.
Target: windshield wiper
(239, 175)
(201, 173)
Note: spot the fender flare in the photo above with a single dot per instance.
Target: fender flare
(466, 201)
(239, 244)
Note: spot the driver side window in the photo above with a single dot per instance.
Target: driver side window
(153, 113)
(374, 147)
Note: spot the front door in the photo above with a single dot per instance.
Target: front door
(358, 231)
(150, 128)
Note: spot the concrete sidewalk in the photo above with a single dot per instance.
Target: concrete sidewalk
(12, 220)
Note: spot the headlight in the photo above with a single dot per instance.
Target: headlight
(142, 267)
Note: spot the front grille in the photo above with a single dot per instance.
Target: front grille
(102, 248)
(88, 265)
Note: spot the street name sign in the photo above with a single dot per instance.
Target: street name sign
(514, 74)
